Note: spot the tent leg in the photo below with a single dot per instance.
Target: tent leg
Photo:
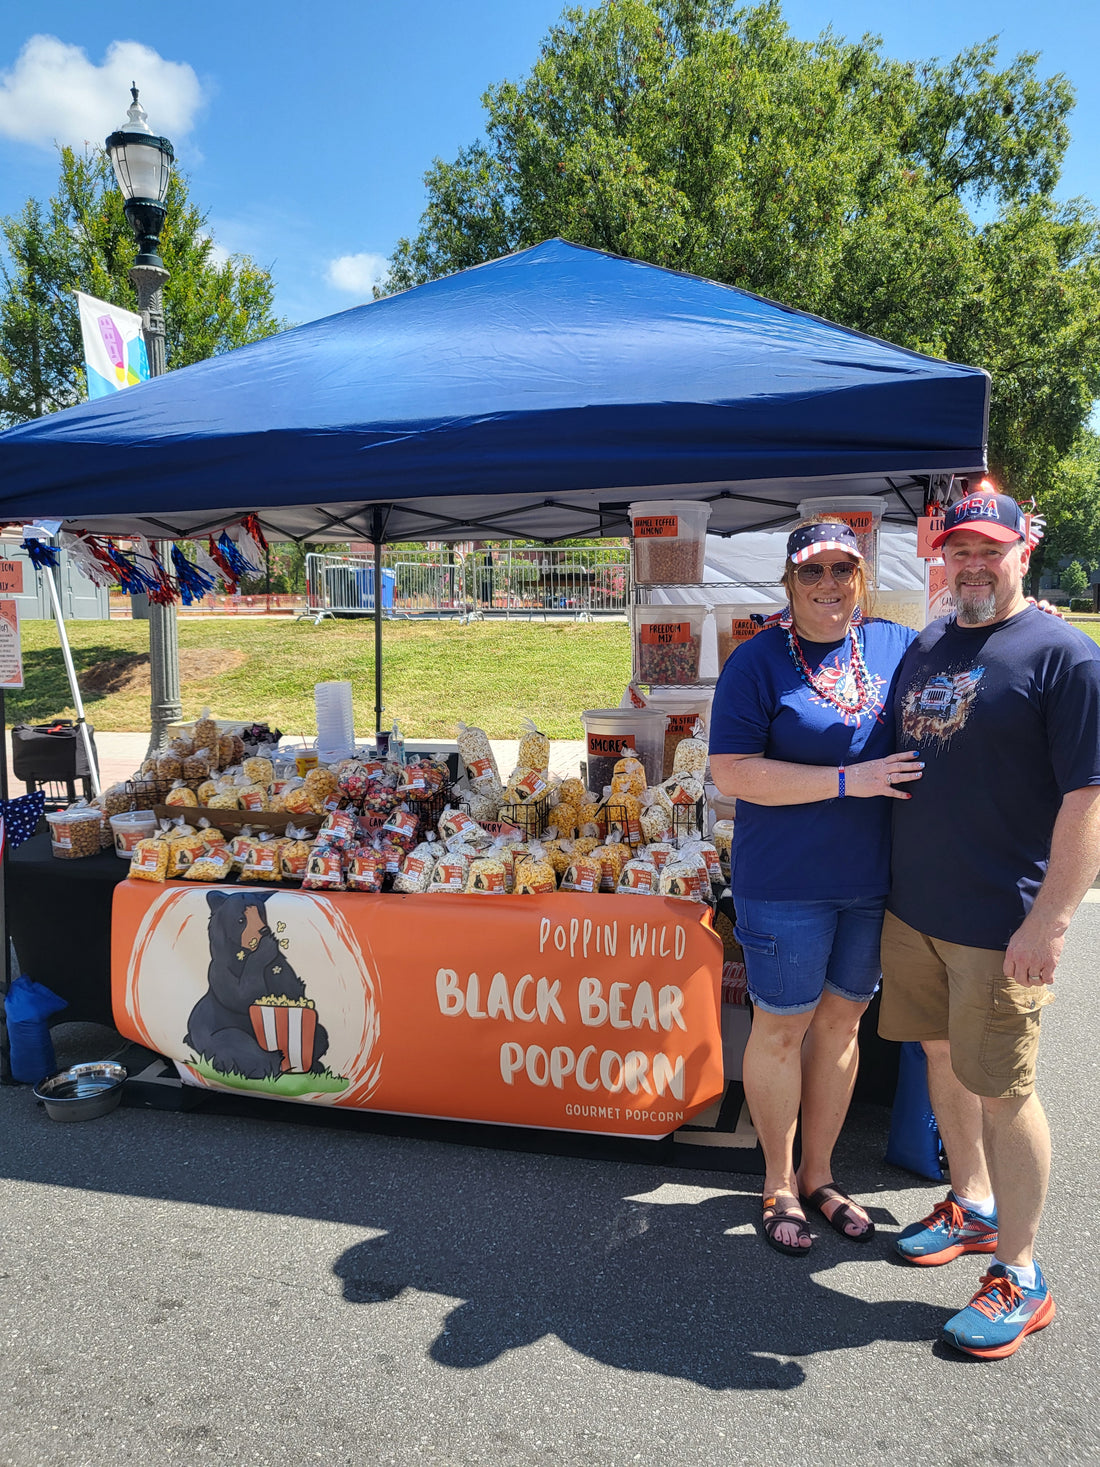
(5, 949)
(70, 670)
(378, 632)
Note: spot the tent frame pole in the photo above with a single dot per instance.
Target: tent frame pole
(377, 524)
(78, 703)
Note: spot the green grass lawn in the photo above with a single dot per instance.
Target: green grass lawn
(492, 673)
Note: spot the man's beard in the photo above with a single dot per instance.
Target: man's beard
(975, 610)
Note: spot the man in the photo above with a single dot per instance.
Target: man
(991, 857)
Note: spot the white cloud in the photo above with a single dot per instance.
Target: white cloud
(53, 93)
(357, 274)
(218, 253)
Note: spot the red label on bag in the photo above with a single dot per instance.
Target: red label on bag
(657, 527)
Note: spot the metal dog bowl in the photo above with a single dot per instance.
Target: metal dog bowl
(82, 1092)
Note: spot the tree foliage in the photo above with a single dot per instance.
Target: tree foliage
(911, 201)
(80, 240)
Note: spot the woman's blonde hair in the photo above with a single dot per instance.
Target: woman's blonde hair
(865, 589)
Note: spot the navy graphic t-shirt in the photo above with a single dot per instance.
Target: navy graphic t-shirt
(828, 849)
(1007, 721)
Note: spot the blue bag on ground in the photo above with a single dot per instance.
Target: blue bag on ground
(914, 1136)
(27, 1006)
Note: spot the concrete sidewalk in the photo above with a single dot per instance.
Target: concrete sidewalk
(184, 1288)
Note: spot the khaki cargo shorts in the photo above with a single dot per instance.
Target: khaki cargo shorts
(942, 990)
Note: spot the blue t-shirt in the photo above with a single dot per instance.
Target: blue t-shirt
(1007, 720)
(828, 849)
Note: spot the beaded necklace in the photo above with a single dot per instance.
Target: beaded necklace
(852, 691)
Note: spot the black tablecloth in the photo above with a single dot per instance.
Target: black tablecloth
(59, 917)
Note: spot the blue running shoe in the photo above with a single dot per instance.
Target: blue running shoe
(948, 1231)
(1000, 1314)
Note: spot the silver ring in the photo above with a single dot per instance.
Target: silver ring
(889, 779)
(1035, 976)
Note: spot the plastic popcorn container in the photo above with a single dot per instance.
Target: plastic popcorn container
(129, 828)
(734, 624)
(667, 643)
(863, 512)
(607, 730)
(669, 541)
(74, 833)
(681, 710)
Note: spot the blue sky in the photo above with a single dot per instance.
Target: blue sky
(306, 132)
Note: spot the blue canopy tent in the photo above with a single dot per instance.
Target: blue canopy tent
(534, 396)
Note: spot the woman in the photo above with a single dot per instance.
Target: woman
(803, 736)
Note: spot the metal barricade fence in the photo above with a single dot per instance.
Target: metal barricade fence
(574, 581)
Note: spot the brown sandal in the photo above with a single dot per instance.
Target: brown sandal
(774, 1215)
(841, 1215)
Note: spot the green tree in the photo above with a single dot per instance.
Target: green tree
(80, 240)
(708, 138)
(1075, 579)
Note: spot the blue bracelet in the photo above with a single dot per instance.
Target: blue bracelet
(840, 777)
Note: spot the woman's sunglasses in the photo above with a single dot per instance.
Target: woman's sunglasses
(843, 571)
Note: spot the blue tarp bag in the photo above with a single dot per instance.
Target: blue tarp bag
(27, 1007)
(914, 1136)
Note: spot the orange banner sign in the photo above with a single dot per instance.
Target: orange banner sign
(928, 527)
(11, 577)
(657, 527)
(11, 645)
(567, 1011)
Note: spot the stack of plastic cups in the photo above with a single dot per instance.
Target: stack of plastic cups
(335, 724)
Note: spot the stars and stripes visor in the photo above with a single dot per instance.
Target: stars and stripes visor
(813, 539)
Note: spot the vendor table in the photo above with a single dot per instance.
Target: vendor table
(59, 918)
(569, 1011)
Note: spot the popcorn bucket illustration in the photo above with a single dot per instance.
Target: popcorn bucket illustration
(288, 1025)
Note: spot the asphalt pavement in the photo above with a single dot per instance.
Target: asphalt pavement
(187, 1287)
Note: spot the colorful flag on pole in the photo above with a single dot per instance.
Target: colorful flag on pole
(114, 348)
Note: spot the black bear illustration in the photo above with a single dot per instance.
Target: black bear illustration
(246, 963)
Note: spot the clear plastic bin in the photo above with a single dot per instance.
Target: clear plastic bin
(734, 624)
(906, 607)
(863, 512)
(75, 833)
(606, 730)
(668, 641)
(670, 537)
(681, 711)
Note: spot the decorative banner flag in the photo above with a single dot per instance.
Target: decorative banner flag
(114, 348)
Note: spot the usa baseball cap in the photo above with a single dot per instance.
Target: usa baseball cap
(810, 540)
(985, 512)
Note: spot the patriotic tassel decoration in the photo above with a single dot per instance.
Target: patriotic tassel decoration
(88, 563)
(41, 556)
(161, 590)
(194, 583)
(131, 577)
(234, 560)
(207, 564)
(248, 538)
(229, 577)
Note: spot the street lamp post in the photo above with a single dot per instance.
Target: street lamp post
(143, 164)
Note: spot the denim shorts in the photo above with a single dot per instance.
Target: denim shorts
(795, 950)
